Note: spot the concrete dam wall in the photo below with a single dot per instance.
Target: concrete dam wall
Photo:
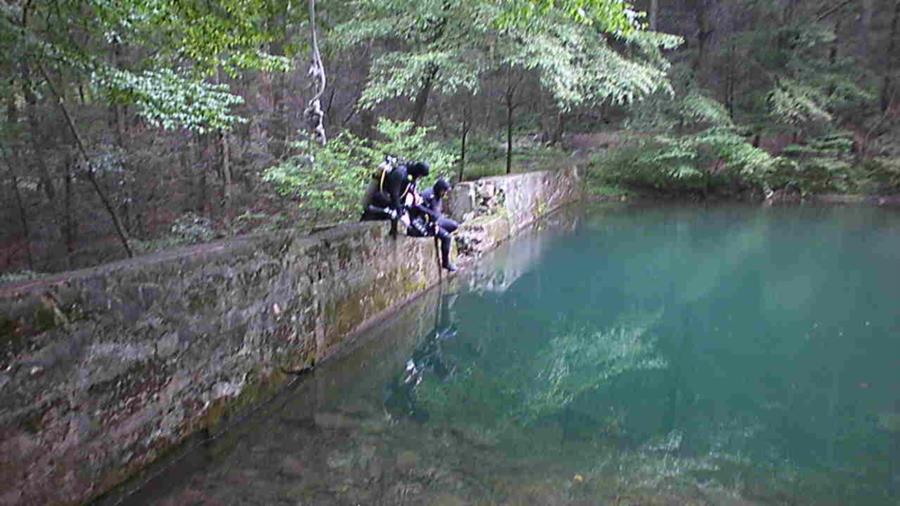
(104, 370)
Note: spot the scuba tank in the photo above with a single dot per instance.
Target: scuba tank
(375, 193)
(384, 168)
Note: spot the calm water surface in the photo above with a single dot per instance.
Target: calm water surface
(674, 355)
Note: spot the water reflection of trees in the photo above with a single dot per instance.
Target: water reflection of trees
(537, 387)
(728, 380)
(519, 256)
(584, 360)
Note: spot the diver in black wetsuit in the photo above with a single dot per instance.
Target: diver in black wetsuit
(385, 196)
(427, 219)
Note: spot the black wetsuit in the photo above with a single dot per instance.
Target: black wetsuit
(428, 220)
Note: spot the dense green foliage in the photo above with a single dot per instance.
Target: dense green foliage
(124, 120)
(449, 45)
(796, 114)
(330, 180)
(185, 43)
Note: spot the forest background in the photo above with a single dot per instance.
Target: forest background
(138, 125)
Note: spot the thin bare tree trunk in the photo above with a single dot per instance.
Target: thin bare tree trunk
(23, 215)
(69, 221)
(117, 223)
(865, 28)
(509, 97)
(12, 117)
(421, 103)
(464, 131)
(118, 109)
(43, 171)
(509, 128)
(226, 176)
(887, 92)
(23, 218)
(201, 145)
(35, 132)
(226, 170)
(730, 81)
(654, 15)
(704, 32)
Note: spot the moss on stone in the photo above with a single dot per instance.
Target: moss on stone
(44, 319)
(8, 332)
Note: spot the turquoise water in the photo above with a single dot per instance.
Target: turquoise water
(626, 355)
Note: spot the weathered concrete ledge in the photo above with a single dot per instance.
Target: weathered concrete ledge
(496, 208)
(104, 370)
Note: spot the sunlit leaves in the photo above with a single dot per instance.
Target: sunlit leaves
(611, 16)
(796, 103)
(564, 42)
(399, 74)
(168, 100)
(689, 162)
(579, 68)
(186, 43)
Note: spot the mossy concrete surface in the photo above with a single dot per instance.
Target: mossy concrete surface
(104, 370)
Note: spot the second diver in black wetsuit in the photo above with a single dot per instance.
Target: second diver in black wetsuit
(427, 219)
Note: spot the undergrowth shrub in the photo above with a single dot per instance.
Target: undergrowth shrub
(712, 161)
(330, 181)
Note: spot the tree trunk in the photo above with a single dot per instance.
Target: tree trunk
(509, 129)
(69, 222)
(225, 169)
(510, 97)
(226, 178)
(35, 135)
(200, 148)
(833, 51)
(117, 223)
(704, 32)
(865, 29)
(462, 148)
(43, 171)
(559, 129)
(118, 109)
(12, 117)
(730, 81)
(23, 218)
(421, 102)
(887, 92)
(654, 15)
(278, 127)
(23, 215)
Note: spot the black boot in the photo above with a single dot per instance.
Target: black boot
(445, 251)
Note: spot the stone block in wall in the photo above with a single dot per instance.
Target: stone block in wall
(497, 207)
